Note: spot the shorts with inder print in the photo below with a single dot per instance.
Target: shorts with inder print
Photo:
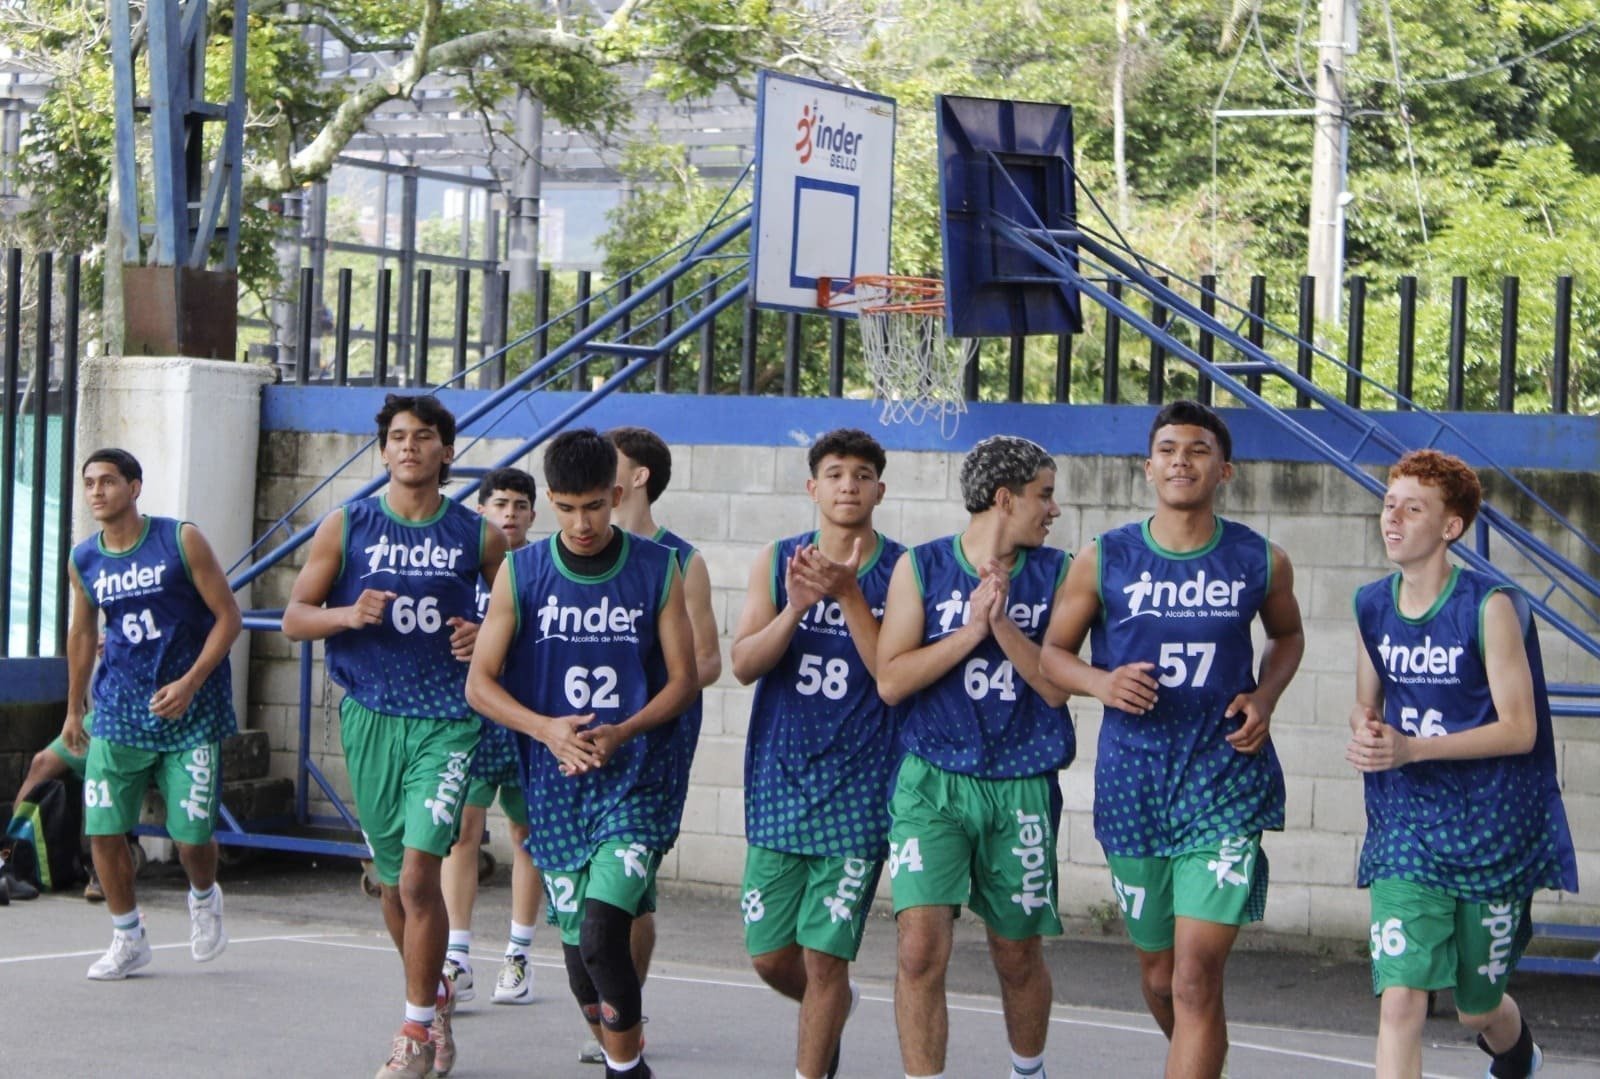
(989, 843)
(818, 902)
(116, 777)
(621, 873)
(409, 778)
(1224, 882)
(1424, 938)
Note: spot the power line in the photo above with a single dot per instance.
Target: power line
(1405, 121)
(1489, 69)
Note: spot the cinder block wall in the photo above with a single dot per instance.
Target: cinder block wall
(733, 499)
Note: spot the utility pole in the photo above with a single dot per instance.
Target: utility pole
(1336, 41)
(522, 248)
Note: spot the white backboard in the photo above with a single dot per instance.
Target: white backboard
(824, 188)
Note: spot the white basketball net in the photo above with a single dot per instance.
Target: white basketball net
(915, 372)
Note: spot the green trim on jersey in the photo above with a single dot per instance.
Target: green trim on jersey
(1100, 577)
(183, 553)
(916, 572)
(1210, 545)
(144, 533)
(444, 507)
(483, 537)
(1061, 574)
(1438, 604)
(510, 568)
(1270, 561)
(772, 571)
(666, 585)
(1483, 612)
(661, 530)
(578, 578)
(961, 558)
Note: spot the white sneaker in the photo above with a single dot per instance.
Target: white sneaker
(459, 975)
(515, 984)
(207, 938)
(128, 952)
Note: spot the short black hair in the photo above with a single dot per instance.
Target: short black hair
(506, 479)
(579, 461)
(644, 446)
(124, 462)
(847, 442)
(1000, 461)
(1192, 414)
(425, 407)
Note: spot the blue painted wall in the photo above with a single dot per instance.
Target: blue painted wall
(1561, 443)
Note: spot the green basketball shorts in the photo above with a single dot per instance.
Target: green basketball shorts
(989, 843)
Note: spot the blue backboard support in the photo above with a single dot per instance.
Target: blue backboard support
(1011, 160)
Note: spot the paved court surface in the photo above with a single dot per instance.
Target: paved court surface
(310, 986)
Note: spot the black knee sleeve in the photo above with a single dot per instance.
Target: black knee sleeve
(583, 990)
(609, 959)
(1514, 1063)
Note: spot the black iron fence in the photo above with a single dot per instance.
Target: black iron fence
(1434, 343)
(38, 412)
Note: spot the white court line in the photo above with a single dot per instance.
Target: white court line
(307, 937)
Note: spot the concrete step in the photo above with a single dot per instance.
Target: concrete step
(247, 755)
(246, 799)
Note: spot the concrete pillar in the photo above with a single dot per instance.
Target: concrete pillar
(195, 426)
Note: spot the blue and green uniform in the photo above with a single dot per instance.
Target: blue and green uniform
(1445, 837)
(1167, 781)
(820, 753)
(408, 733)
(496, 767)
(822, 745)
(590, 644)
(1179, 811)
(976, 805)
(681, 735)
(156, 624)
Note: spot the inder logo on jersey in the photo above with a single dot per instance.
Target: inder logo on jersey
(826, 616)
(425, 559)
(957, 610)
(136, 580)
(1199, 596)
(603, 621)
(1426, 663)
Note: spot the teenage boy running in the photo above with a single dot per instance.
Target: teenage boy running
(976, 803)
(163, 699)
(398, 574)
(587, 649)
(505, 500)
(1186, 779)
(822, 746)
(1464, 818)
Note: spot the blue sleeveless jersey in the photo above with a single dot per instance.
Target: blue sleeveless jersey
(156, 627)
(678, 738)
(981, 719)
(822, 745)
(589, 644)
(496, 758)
(1166, 782)
(1486, 830)
(403, 665)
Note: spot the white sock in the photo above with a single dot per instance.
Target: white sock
(1027, 1067)
(521, 938)
(939, 1075)
(420, 1013)
(130, 923)
(621, 1065)
(459, 947)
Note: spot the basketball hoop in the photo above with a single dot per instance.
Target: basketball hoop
(915, 372)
